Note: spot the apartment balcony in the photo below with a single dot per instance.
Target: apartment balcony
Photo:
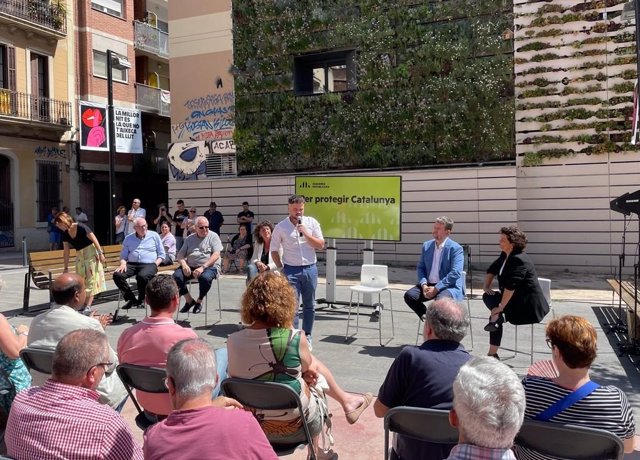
(151, 40)
(28, 107)
(37, 16)
(152, 99)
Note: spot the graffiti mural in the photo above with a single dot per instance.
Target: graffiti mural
(211, 117)
(187, 160)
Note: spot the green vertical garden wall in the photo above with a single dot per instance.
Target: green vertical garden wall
(435, 84)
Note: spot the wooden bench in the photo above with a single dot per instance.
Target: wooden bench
(630, 296)
(45, 266)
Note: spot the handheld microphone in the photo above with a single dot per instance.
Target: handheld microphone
(300, 223)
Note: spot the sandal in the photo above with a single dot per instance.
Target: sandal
(354, 415)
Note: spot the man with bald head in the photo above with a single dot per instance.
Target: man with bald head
(142, 252)
(48, 328)
(199, 424)
(423, 376)
(199, 258)
(63, 417)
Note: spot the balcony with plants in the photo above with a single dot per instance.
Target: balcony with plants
(30, 107)
(42, 17)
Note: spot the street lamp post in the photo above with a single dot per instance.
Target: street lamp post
(120, 63)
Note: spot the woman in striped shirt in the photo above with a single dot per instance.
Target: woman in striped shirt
(572, 340)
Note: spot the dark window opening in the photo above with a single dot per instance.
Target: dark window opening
(48, 188)
(327, 72)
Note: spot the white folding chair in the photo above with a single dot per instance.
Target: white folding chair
(464, 283)
(374, 279)
(545, 285)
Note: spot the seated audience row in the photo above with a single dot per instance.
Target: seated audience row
(424, 376)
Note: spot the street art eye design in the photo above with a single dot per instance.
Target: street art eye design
(187, 160)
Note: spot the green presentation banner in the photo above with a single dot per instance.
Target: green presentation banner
(354, 207)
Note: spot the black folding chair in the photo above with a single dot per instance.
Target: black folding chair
(270, 396)
(569, 441)
(38, 359)
(429, 425)
(142, 378)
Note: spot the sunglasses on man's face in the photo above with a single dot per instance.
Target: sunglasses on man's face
(203, 228)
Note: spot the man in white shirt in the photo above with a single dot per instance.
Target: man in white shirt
(300, 237)
(81, 217)
(68, 292)
(135, 212)
(439, 269)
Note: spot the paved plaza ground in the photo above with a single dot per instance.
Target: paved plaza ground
(360, 364)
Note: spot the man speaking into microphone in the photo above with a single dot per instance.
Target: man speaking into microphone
(300, 237)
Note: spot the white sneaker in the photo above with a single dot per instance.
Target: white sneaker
(310, 345)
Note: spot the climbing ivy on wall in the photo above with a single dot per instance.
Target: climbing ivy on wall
(434, 84)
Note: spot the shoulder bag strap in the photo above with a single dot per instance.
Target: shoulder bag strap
(568, 401)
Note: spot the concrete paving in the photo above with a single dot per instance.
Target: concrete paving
(360, 364)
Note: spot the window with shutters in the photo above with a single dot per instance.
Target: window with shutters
(100, 68)
(48, 183)
(40, 102)
(112, 7)
(7, 80)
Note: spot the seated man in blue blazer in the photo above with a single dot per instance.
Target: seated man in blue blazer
(439, 269)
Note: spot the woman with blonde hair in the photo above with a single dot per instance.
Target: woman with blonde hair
(89, 255)
(571, 397)
(270, 349)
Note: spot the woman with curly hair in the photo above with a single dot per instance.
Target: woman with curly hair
(269, 349)
(520, 299)
(261, 260)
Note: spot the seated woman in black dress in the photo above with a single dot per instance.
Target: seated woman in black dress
(520, 299)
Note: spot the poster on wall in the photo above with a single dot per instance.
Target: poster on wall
(93, 126)
(354, 207)
(128, 130)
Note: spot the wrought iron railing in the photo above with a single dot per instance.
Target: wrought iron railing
(51, 15)
(151, 39)
(155, 99)
(31, 107)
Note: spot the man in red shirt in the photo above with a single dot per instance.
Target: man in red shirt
(148, 342)
(199, 424)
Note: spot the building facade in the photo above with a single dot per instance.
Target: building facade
(36, 95)
(138, 32)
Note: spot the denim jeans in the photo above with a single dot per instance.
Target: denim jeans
(304, 279)
(204, 280)
(252, 271)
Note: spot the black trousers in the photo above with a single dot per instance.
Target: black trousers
(491, 302)
(415, 299)
(142, 272)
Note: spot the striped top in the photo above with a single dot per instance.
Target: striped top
(606, 408)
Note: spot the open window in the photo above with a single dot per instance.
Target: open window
(325, 72)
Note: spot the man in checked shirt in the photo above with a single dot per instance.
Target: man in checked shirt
(63, 418)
